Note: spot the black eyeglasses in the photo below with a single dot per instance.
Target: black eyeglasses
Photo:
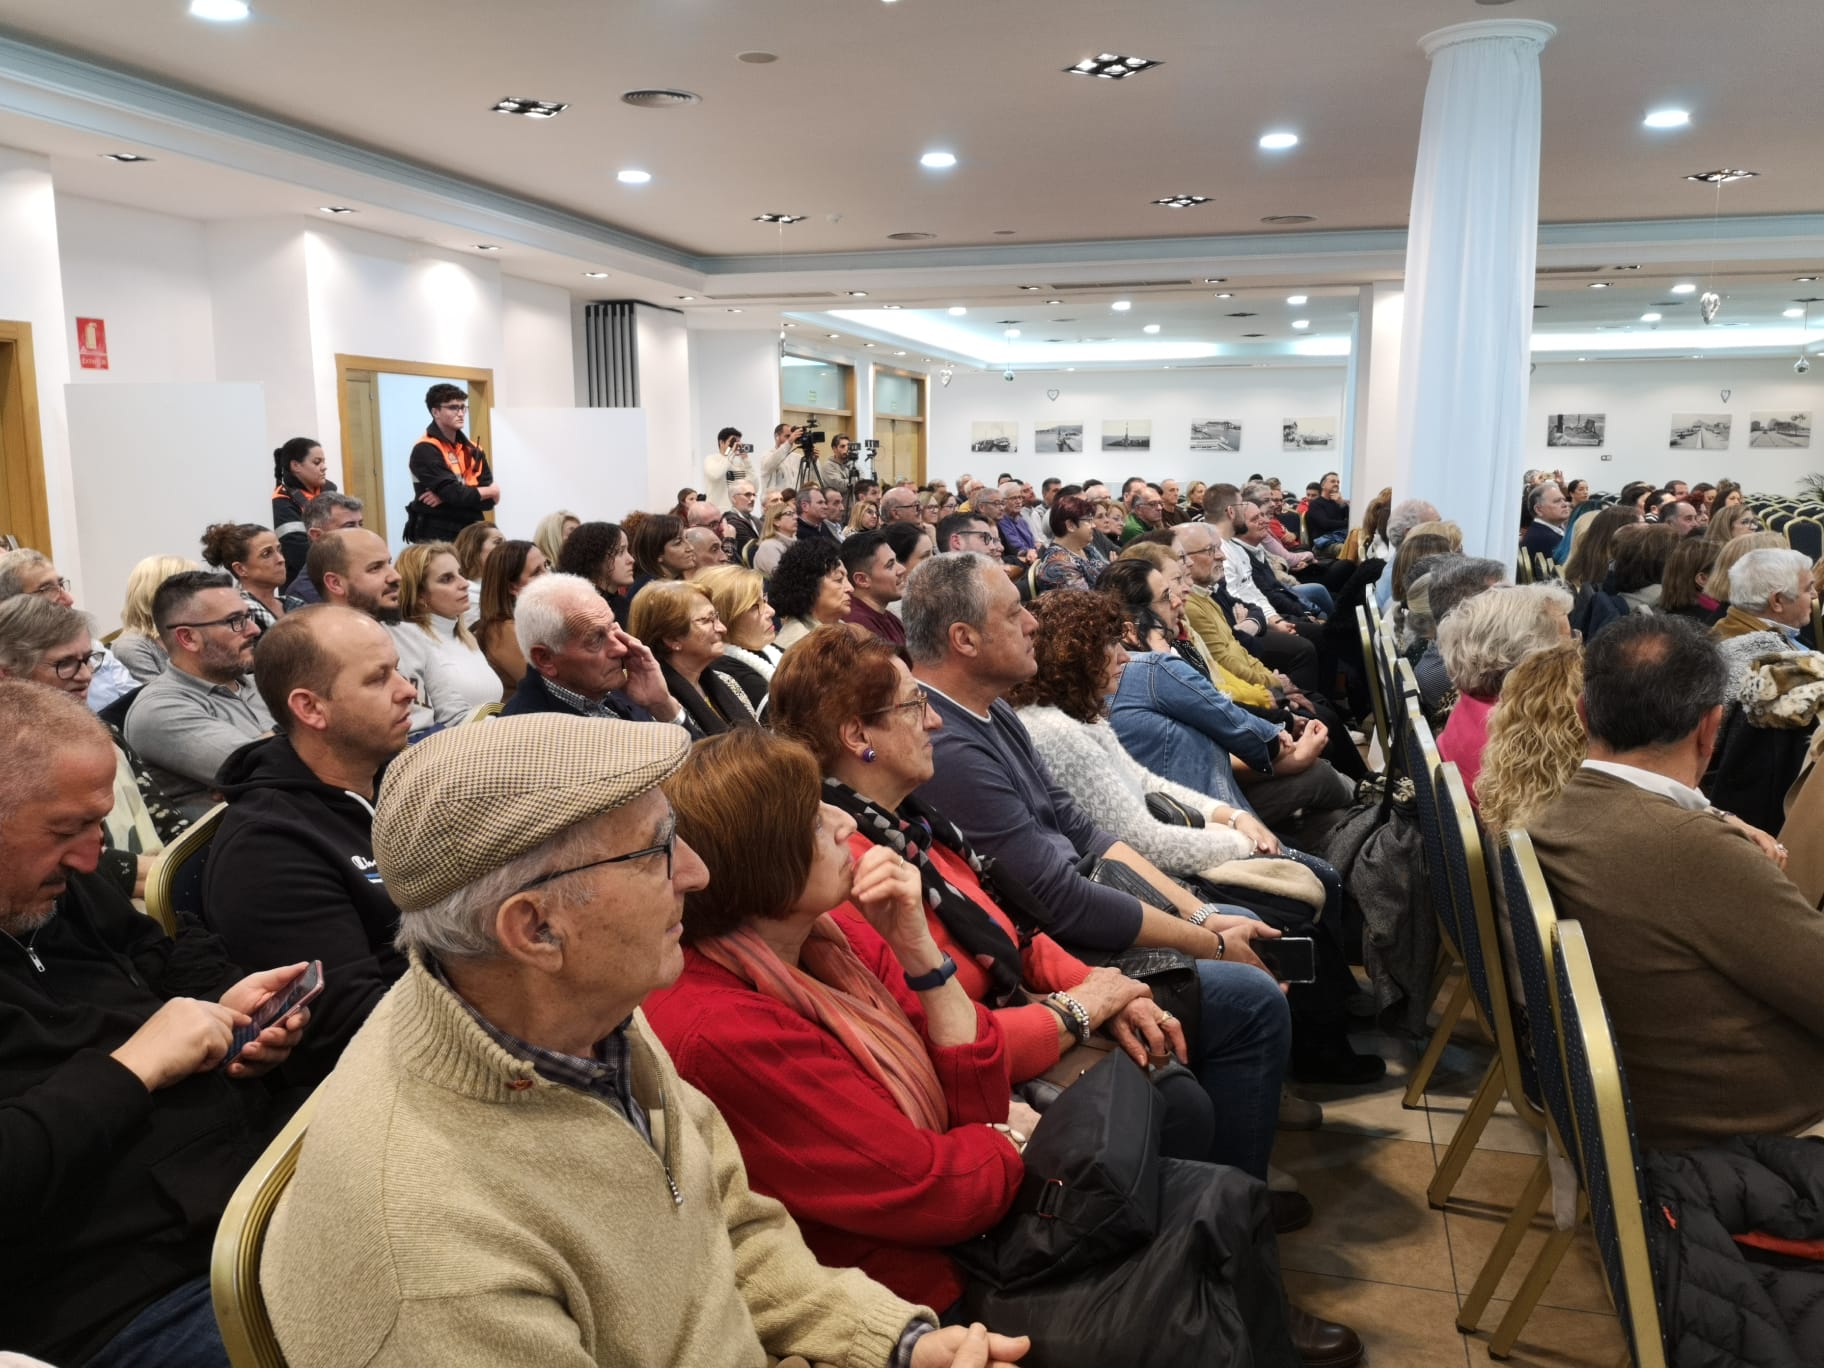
(665, 847)
(71, 666)
(55, 586)
(234, 622)
(914, 706)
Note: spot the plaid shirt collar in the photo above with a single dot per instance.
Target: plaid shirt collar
(570, 698)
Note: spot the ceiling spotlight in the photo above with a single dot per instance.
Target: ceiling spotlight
(633, 177)
(1215, 280)
(595, 275)
(1054, 301)
(734, 311)
(1624, 268)
(1722, 176)
(1295, 299)
(1290, 218)
(1225, 294)
(910, 237)
(870, 344)
(1183, 201)
(1121, 305)
(788, 325)
(757, 57)
(334, 209)
(1110, 66)
(128, 157)
(858, 294)
(899, 353)
(957, 311)
(779, 218)
(1792, 313)
(1150, 328)
(832, 336)
(938, 161)
(219, 11)
(1032, 288)
(1599, 284)
(486, 247)
(1684, 287)
(1667, 118)
(1301, 323)
(1651, 317)
(891, 306)
(531, 109)
(687, 299)
(1278, 142)
(1803, 280)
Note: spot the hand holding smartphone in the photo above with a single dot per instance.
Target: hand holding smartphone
(1290, 959)
(302, 991)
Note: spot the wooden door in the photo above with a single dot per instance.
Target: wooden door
(25, 509)
(362, 473)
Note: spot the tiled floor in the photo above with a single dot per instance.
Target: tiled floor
(1380, 1259)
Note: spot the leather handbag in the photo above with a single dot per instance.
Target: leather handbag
(1164, 808)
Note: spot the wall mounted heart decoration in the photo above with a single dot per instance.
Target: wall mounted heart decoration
(1052, 394)
(1709, 304)
(1726, 394)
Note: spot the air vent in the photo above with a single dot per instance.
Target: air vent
(910, 237)
(1568, 270)
(660, 99)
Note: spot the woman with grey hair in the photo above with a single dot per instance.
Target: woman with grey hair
(1481, 640)
(1770, 598)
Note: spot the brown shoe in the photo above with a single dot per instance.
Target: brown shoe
(1322, 1343)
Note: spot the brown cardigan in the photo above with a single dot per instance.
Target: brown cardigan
(1803, 832)
(1713, 975)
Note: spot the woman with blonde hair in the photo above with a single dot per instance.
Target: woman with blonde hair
(1536, 740)
(864, 517)
(433, 596)
(778, 532)
(1732, 522)
(1717, 587)
(552, 531)
(749, 656)
(137, 647)
(1481, 641)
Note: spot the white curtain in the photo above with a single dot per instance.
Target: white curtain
(1464, 358)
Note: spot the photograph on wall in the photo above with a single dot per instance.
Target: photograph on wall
(1218, 434)
(1058, 437)
(1127, 434)
(1307, 434)
(994, 436)
(1575, 429)
(1701, 431)
(1779, 429)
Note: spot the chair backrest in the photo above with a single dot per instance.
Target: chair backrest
(1807, 535)
(1481, 942)
(175, 884)
(1608, 1156)
(1523, 568)
(1365, 632)
(1545, 569)
(1420, 754)
(234, 1263)
(1531, 919)
(484, 711)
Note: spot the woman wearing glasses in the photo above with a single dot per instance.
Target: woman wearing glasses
(679, 624)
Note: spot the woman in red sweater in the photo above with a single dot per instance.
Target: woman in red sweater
(867, 1092)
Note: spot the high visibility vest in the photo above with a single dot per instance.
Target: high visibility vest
(464, 461)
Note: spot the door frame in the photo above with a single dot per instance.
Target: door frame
(21, 440)
(362, 471)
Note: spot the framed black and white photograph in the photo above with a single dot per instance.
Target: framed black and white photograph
(1054, 437)
(1701, 431)
(1575, 429)
(1307, 434)
(1779, 429)
(1217, 434)
(994, 437)
(1127, 434)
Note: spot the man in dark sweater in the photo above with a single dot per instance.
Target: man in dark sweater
(121, 1134)
(1711, 982)
(291, 872)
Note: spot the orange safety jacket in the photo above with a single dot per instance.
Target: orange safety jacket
(464, 460)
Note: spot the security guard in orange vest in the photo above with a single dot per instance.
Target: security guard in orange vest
(452, 483)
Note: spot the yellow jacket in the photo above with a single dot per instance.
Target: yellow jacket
(1241, 676)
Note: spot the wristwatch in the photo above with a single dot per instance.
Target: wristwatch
(937, 978)
(1078, 1016)
(1203, 914)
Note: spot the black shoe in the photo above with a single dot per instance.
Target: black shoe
(1291, 1211)
(1322, 1343)
(1336, 1064)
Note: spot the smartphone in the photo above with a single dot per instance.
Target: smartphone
(1290, 959)
(745, 448)
(303, 990)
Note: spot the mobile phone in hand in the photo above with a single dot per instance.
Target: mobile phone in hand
(303, 990)
(1290, 959)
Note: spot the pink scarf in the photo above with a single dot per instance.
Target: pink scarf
(832, 987)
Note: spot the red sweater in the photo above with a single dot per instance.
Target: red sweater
(1031, 1031)
(868, 1188)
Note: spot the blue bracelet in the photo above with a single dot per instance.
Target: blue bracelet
(937, 978)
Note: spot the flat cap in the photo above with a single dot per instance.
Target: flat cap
(465, 801)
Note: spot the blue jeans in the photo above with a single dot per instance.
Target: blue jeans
(1317, 596)
(1240, 1058)
(176, 1331)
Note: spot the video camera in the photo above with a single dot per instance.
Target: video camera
(810, 439)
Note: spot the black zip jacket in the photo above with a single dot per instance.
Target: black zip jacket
(291, 877)
(109, 1195)
(461, 504)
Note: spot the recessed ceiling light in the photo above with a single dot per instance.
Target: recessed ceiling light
(660, 99)
(1792, 313)
(1651, 317)
(595, 275)
(1301, 323)
(1722, 176)
(1296, 299)
(127, 157)
(957, 311)
(756, 58)
(632, 176)
(1054, 301)
(1122, 305)
(910, 237)
(832, 336)
(1011, 332)
(779, 218)
(1667, 118)
(1599, 284)
(1290, 218)
(1684, 287)
(1150, 328)
(1583, 358)
(870, 344)
(1624, 268)
(219, 11)
(531, 109)
(1278, 142)
(1032, 288)
(891, 306)
(938, 161)
(1111, 66)
(334, 209)
(788, 325)
(687, 299)
(1182, 201)
(858, 294)
(899, 353)
(1803, 280)
(734, 311)
(1215, 280)
(486, 247)
(1225, 294)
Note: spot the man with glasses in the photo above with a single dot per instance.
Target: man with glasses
(977, 533)
(204, 707)
(505, 1167)
(26, 571)
(1145, 512)
(452, 482)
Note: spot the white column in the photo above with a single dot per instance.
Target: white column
(1374, 454)
(1469, 280)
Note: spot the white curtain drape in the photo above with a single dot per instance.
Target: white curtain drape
(1464, 359)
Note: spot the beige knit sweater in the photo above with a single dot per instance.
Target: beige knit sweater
(453, 1208)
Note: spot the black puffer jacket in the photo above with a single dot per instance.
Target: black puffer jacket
(1724, 1304)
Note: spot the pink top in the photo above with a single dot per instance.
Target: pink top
(1465, 736)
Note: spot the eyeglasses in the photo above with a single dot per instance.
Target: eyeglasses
(665, 848)
(71, 666)
(234, 622)
(455, 408)
(991, 538)
(913, 707)
(56, 586)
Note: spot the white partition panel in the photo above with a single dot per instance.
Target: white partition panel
(156, 464)
(589, 460)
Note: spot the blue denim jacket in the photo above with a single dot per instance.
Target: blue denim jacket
(1178, 725)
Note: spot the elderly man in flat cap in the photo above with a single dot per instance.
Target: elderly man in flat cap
(505, 1168)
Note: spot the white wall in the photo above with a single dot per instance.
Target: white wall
(260, 309)
(734, 382)
(671, 459)
(1640, 398)
(589, 460)
(1260, 399)
(147, 276)
(159, 463)
(538, 341)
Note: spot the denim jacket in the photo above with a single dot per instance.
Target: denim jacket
(1178, 725)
